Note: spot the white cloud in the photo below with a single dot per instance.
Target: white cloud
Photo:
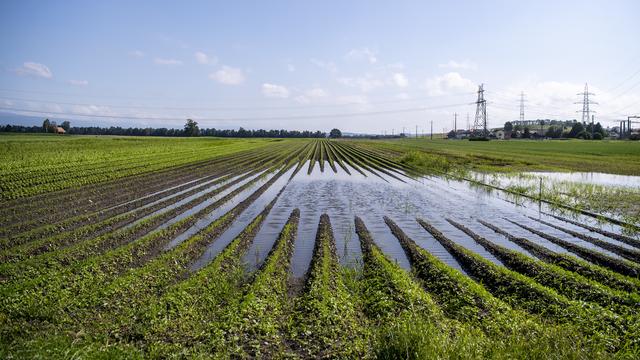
(364, 83)
(557, 100)
(311, 95)
(78, 82)
(136, 53)
(449, 83)
(400, 80)
(459, 65)
(92, 110)
(326, 65)
(202, 58)
(275, 91)
(353, 99)
(316, 93)
(35, 69)
(359, 102)
(163, 61)
(228, 75)
(302, 99)
(362, 54)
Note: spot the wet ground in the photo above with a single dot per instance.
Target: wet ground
(343, 196)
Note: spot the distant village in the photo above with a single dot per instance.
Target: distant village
(534, 129)
(551, 129)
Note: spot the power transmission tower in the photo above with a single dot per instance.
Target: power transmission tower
(586, 111)
(522, 100)
(480, 123)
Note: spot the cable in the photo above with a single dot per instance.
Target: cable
(294, 117)
(310, 106)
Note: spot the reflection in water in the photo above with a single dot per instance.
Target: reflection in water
(434, 199)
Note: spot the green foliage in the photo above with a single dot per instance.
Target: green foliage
(335, 133)
(619, 334)
(191, 128)
(27, 167)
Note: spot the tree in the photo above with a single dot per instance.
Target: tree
(45, 125)
(576, 130)
(191, 128)
(527, 133)
(65, 125)
(508, 126)
(554, 132)
(335, 133)
(599, 130)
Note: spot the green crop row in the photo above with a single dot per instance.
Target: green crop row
(522, 292)
(621, 266)
(567, 283)
(594, 272)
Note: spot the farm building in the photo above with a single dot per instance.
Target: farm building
(60, 130)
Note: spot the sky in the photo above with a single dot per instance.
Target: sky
(361, 66)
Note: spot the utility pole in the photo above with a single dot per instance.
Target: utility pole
(455, 123)
(480, 123)
(522, 100)
(586, 111)
(431, 130)
(592, 126)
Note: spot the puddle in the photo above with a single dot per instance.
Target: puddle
(242, 221)
(343, 196)
(164, 191)
(203, 204)
(218, 212)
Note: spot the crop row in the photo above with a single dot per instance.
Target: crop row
(74, 222)
(73, 201)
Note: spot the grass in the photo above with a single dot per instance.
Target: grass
(616, 157)
(508, 164)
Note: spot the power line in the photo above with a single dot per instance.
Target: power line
(219, 108)
(289, 117)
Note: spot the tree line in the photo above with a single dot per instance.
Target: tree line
(559, 129)
(190, 129)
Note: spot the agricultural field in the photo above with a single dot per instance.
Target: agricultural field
(283, 248)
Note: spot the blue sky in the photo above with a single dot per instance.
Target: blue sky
(362, 66)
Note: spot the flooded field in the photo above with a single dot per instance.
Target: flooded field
(324, 232)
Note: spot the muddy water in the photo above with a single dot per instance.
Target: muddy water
(242, 221)
(206, 202)
(218, 212)
(591, 178)
(189, 198)
(371, 197)
(166, 190)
